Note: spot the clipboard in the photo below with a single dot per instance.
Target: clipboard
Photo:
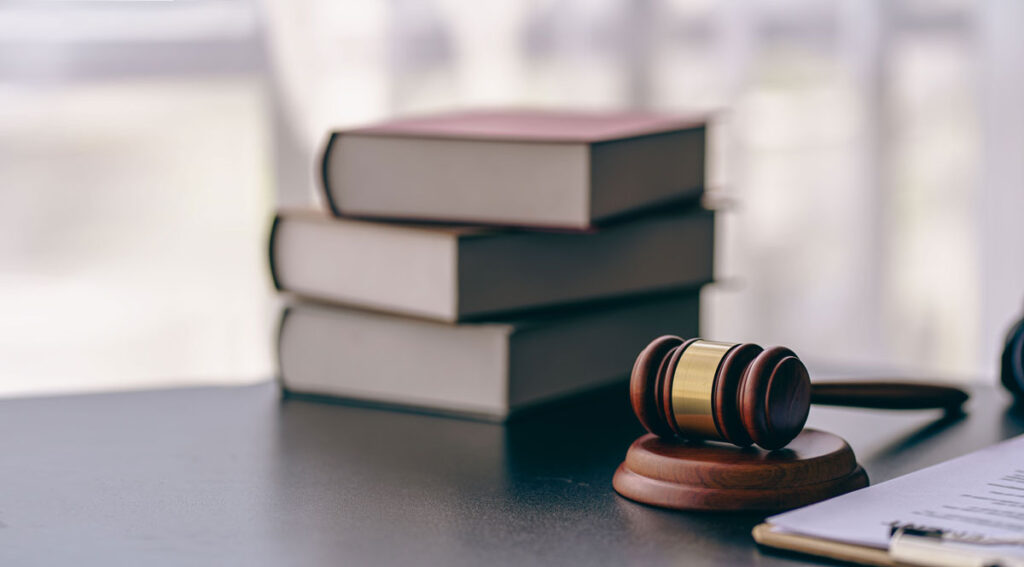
(952, 514)
(765, 535)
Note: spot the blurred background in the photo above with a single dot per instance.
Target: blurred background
(868, 155)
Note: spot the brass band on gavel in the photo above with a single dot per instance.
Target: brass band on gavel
(692, 387)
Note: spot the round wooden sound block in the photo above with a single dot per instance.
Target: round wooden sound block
(713, 476)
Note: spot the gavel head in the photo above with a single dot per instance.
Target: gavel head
(737, 393)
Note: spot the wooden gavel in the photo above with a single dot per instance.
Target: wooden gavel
(743, 394)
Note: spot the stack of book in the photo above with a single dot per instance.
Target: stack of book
(482, 263)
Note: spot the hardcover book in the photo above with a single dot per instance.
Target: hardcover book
(484, 370)
(567, 170)
(457, 273)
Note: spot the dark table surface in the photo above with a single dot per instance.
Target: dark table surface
(222, 476)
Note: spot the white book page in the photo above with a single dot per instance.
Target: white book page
(977, 495)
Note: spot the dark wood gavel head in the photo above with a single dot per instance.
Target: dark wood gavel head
(737, 393)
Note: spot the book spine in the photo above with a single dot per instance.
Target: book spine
(279, 375)
(271, 247)
(325, 176)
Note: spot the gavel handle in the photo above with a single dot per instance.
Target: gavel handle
(887, 395)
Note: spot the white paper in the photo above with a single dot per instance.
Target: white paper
(977, 495)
